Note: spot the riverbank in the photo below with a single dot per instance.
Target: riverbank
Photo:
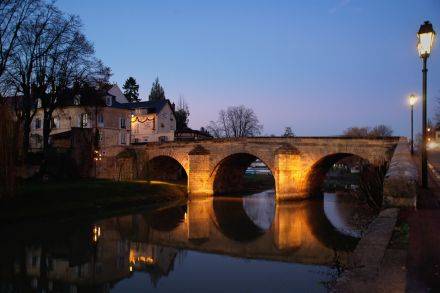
(44, 200)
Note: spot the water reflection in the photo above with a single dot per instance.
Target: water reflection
(176, 246)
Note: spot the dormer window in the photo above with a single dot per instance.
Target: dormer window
(109, 101)
(77, 100)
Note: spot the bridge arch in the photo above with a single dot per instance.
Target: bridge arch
(228, 174)
(166, 167)
(317, 172)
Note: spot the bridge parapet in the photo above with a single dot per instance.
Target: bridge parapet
(400, 186)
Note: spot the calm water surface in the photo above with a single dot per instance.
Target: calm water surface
(247, 244)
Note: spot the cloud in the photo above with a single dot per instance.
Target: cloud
(341, 4)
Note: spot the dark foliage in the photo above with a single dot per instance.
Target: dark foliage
(131, 90)
(157, 93)
(371, 185)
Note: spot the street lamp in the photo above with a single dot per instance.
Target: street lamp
(426, 36)
(412, 101)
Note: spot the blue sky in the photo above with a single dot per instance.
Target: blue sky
(317, 66)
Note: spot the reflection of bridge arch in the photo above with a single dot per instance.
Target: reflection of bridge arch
(166, 220)
(227, 175)
(318, 171)
(232, 220)
(165, 167)
(290, 224)
(297, 228)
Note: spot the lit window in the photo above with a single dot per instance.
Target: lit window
(84, 120)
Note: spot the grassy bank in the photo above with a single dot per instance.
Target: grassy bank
(69, 198)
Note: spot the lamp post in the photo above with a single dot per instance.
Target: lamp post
(412, 102)
(426, 36)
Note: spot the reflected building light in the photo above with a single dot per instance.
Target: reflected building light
(136, 259)
(96, 233)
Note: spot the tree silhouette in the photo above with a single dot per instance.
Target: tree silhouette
(131, 90)
(236, 121)
(288, 132)
(182, 114)
(157, 93)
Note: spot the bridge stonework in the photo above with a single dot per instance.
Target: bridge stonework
(293, 161)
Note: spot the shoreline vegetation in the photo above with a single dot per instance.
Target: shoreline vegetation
(82, 198)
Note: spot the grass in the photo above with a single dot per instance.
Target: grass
(69, 198)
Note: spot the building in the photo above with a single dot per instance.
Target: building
(110, 117)
(152, 121)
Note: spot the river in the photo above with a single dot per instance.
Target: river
(220, 244)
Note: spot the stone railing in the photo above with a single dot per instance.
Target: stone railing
(400, 186)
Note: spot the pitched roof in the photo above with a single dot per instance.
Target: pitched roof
(155, 106)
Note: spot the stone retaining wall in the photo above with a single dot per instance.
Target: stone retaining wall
(364, 265)
(400, 186)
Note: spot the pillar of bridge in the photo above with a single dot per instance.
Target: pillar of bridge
(199, 173)
(289, 174)
(288, 225)
(198, 218)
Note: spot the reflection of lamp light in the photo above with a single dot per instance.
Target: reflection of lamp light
(96, 233)
(131, 268)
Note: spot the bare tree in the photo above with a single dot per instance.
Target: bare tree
(377, 131)
(70, 61)
(52, 55)
(381, 131)
(34, 42)
(357, 131)
(182, 114)
(236, 121)
(13, 13)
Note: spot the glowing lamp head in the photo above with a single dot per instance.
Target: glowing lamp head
(426, 37)
(412, 100)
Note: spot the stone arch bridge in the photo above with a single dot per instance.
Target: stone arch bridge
(298, 164)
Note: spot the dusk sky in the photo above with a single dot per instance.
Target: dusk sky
(317, 66)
